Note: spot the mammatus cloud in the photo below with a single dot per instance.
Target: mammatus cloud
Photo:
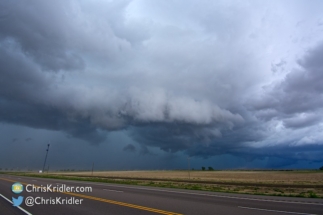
(189, 78)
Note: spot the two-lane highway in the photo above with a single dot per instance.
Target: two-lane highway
(125, 199)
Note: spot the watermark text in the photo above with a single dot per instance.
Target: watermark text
(31, 188)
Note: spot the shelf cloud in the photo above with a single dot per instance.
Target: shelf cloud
(204, 78)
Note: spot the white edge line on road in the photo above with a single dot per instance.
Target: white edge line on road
(114, 190)
(198, 194)
(17, 207)
(230, 197)
(288, 212)
(203, 194)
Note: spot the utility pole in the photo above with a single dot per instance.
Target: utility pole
(47, 168)
(46, 156)
(92, 168)
(188, 163)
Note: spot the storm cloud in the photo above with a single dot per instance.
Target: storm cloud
(227, 77)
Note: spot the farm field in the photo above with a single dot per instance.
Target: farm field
(267, 177)
(277, 183)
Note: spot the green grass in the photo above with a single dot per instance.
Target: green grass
(312, 194)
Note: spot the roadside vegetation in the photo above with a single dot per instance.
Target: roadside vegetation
(294, 188)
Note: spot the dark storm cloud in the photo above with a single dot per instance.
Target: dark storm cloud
(20, 78)
(129, 148)
(199, 140)
(173, 76)
(297, 101)
(28, 139)
(46, 117)
(44, 39)
(280, 156)
(30, 45)
(276, 156)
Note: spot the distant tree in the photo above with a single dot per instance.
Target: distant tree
(321, 168)
(211, 168)
(203, 168)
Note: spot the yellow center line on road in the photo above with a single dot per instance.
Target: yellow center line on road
(111, 201)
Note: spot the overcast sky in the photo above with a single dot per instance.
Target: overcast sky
(145, 84)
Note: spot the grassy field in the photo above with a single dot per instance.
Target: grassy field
(277, 183)
(271, 177)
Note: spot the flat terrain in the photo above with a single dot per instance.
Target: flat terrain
(274, 177)
(281, 183)
(116, 199)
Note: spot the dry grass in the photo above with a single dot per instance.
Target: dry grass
(268, 177)
(282, 183)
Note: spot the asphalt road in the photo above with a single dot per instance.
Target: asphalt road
(125, 199)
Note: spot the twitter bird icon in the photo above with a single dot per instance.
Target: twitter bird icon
(18, 201)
